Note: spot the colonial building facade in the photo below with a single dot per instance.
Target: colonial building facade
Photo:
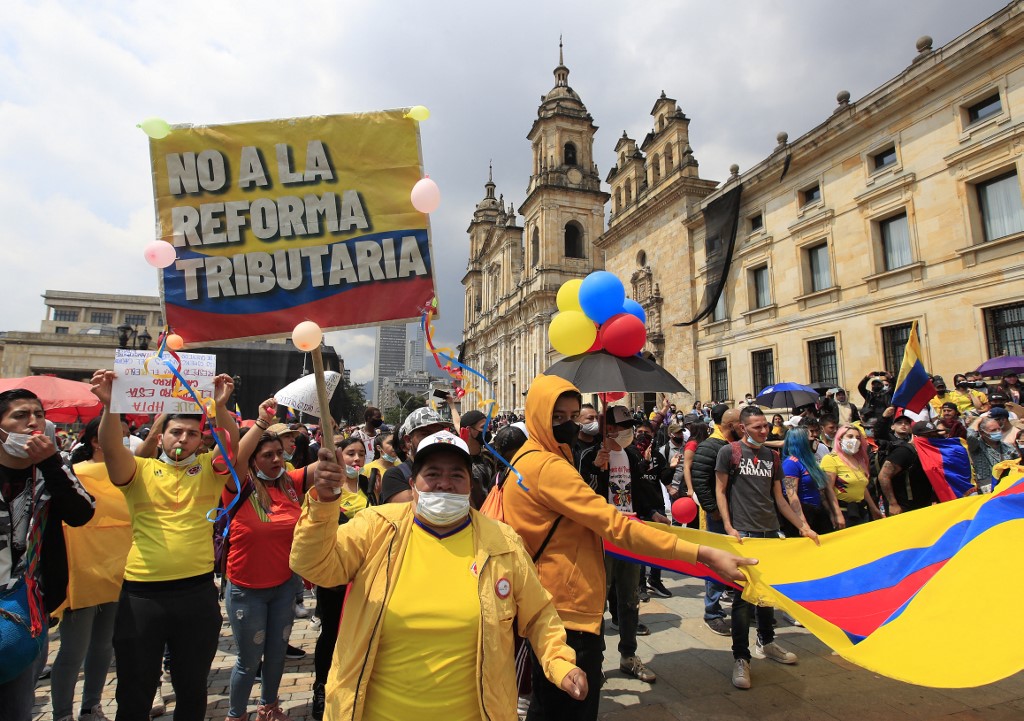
(516, 268)
(903, 205)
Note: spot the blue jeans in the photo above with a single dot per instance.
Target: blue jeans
(741, 612)
(261, 622)
(86, 636)
(713, 590)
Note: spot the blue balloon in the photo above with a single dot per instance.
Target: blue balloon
(601, 296)
(633, 308)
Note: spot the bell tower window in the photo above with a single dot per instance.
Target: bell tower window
(569, 154)
(573, 241)
(535, 248)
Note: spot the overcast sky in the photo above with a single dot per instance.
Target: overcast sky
(75, 78)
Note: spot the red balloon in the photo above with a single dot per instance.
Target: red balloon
(684, 510)
(597, 341)
(623, 335)
(611, 397)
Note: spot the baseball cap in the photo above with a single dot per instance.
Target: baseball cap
(937, 381)
(950, 404)
(619, 416)
(281, 429)
(1000, 414)
(674, 428)
(442, 440)
(924, 428)
(470, 418)
(901, 416)
(419, 418)
(998, 397)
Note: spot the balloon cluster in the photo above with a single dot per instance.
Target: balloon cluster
(595, 314)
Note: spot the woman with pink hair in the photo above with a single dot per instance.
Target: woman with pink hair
(847, 470)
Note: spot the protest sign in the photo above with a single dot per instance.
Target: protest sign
(282, 221)
(301, 394)
(145, 385)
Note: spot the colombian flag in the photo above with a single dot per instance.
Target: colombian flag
(894, 595)
(913, 386)
(947, 464)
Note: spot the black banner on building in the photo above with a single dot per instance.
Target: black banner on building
(721, 218)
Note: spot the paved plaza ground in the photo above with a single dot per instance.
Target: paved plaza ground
(694, 667)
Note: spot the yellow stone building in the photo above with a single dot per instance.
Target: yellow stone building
(903, 205)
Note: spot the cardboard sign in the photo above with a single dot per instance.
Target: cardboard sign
(300, 395)
(282, 221)
(144, 384)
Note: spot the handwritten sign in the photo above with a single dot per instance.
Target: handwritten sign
(144, 384)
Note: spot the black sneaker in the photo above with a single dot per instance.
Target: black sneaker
(720, 626)
(318, 703)
(658, 589)
(644, 596)
(642, 630)
(293, 652)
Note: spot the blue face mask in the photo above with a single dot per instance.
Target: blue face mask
(996, 435)
(351, 472)
(387, 458)
(751, 442)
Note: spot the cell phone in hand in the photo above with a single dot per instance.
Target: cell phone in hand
(441, 393)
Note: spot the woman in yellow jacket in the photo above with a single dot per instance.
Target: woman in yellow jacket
(434, 591)
(96, 558)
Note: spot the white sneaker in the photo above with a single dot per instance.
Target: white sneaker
(301, 611)
(775, 652)
(741, 673)
(314, 623)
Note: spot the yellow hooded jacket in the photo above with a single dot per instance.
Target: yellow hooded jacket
(367, 553)
(572, 565)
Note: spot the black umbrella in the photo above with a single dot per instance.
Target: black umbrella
(602, 372)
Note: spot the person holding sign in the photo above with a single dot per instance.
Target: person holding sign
(434, 581)
(168, 596)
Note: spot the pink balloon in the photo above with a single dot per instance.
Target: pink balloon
(426, 196)
(684, 510)
(159, 253)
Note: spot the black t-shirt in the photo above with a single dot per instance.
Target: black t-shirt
(751, 493)
(911, 486)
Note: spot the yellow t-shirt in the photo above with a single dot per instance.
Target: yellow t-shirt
(425, 667)
(850, 483)
(352, 503)
(171, 537)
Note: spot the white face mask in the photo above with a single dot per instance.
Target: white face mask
(850, 445)
(442, 509)
(15, 444)
(591, 429)
(180, 462)
(264, 477)
(624, 438)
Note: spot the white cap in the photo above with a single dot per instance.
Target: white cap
(441, 439)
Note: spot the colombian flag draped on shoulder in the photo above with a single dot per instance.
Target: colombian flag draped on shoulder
(894, 596)
(913, 386)
(281, 221)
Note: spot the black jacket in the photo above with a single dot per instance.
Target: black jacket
(702, 473)
(647, 498)
(64, 500)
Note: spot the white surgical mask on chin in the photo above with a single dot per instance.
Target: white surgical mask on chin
(179, 462)
(441, 509)
(15, 444)
(264, 477)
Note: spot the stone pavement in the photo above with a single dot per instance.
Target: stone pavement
(694, 668)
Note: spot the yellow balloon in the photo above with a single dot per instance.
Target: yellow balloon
(418, 113)
(571, 332)
(155, 128)
(568, 297)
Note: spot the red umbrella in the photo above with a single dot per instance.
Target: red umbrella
(64, 401)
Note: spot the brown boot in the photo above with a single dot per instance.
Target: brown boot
(271, 712)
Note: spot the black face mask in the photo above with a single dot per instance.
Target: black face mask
(484, 437)
(566, 432)
(376, 422)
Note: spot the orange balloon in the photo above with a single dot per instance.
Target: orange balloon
(175, 342)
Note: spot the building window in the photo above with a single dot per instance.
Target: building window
(573, 241)
(629, 192)
(810, 195)
(101, 317)
(135, 318)
(884, 158)
(668, 159)
(719, 380)
(158, 320)
(763, 363)
(65, 316)
(719, 313)
(821, 273)
(756, 222)
(895, 241)
(894, 342)
(823, 367)
(535, 248)
(999, 202)
(984, 108)
(761, 286)
(1004, 327)
(61, 330)
(570, 154)
(618, 200)
(655, 169)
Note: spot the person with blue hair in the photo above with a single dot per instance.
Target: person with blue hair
(805, 484)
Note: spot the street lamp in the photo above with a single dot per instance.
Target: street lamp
(127, 334)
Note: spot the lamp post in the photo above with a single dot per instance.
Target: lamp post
(128, 334)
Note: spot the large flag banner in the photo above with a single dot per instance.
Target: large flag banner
(894, 595)
(913, 385)
(947, 464)
(288, 220)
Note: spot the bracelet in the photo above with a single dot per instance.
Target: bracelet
(264, 427)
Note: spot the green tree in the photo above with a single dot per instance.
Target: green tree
(407, 403)
(353, 403)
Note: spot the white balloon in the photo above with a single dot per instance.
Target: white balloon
(426, 196)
